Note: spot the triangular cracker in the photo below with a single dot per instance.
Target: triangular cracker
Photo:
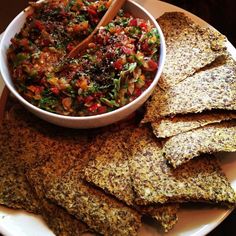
(155, 181)
(101, 212)
(208, 139)
(168, 127)
(109, 170)
(94, 207)
(63, 223)
(189, 47)
(166, 214)
(214, 88)
(15, 190)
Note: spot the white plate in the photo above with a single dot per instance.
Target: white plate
(194, 221)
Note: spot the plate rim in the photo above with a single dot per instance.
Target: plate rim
(222, 216)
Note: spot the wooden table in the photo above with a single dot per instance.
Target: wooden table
(210, 10)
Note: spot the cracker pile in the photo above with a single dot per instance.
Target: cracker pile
(43, 172)
(155, 181)
(24, 144)
(109, 169)
(195, 114)
(104, 181)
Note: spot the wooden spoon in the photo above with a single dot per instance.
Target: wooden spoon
(109, 16)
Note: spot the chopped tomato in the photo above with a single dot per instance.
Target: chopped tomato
(102, 109)
(145, 46)
(24, 42)
(94, 107)
(55, 90)
(69, 47)
(127, 50)
(152, 65)
(133, 22)
(39, 25)
(35, 89)
(92, 11)
(143, 25)
(118, 64)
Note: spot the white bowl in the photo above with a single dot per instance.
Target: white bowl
(86, 121)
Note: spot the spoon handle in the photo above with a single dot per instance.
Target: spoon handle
(109, 16)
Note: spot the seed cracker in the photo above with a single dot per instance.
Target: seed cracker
(56, 170)
(99, 211)
(57, 165)
(214, 88)
(15, 156)
(168, 127)
(166, 214)
(21, 147)
(109, 170)
(15, 191)
(154, 181)
(208, 139)
(65, 152)
(57, 218)
(28, 143)
(189, 47)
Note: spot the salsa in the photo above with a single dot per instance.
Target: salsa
(116, 68)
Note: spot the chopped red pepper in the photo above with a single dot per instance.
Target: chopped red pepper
(88, 99)
(137, 92)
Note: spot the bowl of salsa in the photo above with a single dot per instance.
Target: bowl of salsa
(104, 83)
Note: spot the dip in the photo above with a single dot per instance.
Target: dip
(116, 68)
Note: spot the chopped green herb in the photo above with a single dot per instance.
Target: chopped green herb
(101, 8)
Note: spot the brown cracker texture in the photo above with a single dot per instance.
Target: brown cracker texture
(212, 138)
(155, 181)
(189, 47)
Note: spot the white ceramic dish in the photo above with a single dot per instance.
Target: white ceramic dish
(89, 121)
(193, 221)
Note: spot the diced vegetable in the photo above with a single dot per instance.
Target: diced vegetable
(116, 68)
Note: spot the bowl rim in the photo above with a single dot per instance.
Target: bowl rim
(162, 58)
